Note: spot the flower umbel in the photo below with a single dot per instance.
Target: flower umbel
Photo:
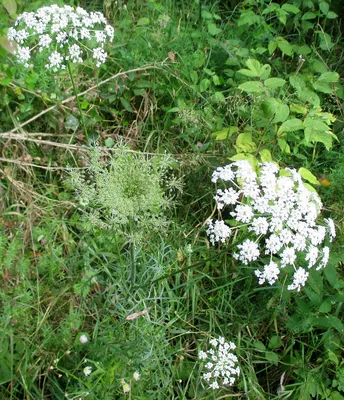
(66, 33)
(220, 363)
(281, 212)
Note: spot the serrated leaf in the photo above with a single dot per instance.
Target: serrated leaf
(273, 83)
(252, 87)
(291, 125)
(308, 176)
(143, 21)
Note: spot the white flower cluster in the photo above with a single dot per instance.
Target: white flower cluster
(220, 363)
(280, 211)
(66, 33)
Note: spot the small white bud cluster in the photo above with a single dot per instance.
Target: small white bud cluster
(220, 363)
(67, 34)
(280, 211)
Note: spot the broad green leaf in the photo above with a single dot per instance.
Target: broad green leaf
(11, 7)
(204, 85)
(224, 133)
(242, 156)
(5, 81)
(324, 7)
(269, 107)
(213, 29)
(325, 306)
(298, 109)
(308, 176)
(248, 18)
(265, 155)
(198, 58)
(218, 97)
(284, 146)
(275, 342)
(272, 46)
(270, 8)
(272, 357)
(332, 357)
(282, 113)
(217, 81)
(273, 83)
(252, 87)
(291, 125)
(259, 345)
(282, 16)
(309, 96)
(265, 71)
(325, 41)
(125, 103)
(331, 15)
(244, 143)
(329, 77)
(290, 8)
(254, 66)
(248, 72)
(319, 136)
(308, 15)
(297, 83)
(322, 87)
(206, 14)
(143, 21)
(285, 47)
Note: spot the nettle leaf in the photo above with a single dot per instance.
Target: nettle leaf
(293, 124)
(308, 176)
(252, 87)
(273, 83)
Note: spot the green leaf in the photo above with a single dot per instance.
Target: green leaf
(224, 133)
(291, 125)
(324, 7)
(297, 83)
(254, 66)
(204, 85)
(259, 345)
(285, 48)
(143, 21)
(298, 109)
(308, 176)
(248, 72)
(322, 87)
(282, 113)
(309, 96)
(265, 155)
(198, 58)
(318, 136)
(284, 146)
(331, 15)
(308, 15)
(269, 107)
(290, 8)
(218, 97)
(11, 7)
(272, 357)
(109, 142)
(213, 29)
(244, 143)
(248, 18)
(71, 123)
(125, 103)
(329, 77)
(272, 46)
(273, 83)
(5, 81)
(252, 87)
(325, 306)
(275, 342)
(325, 41)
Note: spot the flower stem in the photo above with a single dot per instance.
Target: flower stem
(77, 101)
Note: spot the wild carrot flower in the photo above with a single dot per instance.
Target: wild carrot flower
(220, 363)
(280, 212)
(67, 34)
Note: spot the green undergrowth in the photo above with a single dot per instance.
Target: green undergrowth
(200, 84)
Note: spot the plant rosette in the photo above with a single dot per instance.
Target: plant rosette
(64, 33)
(279, 213)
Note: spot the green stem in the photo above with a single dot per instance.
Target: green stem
(77, 101)
(132, 257)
